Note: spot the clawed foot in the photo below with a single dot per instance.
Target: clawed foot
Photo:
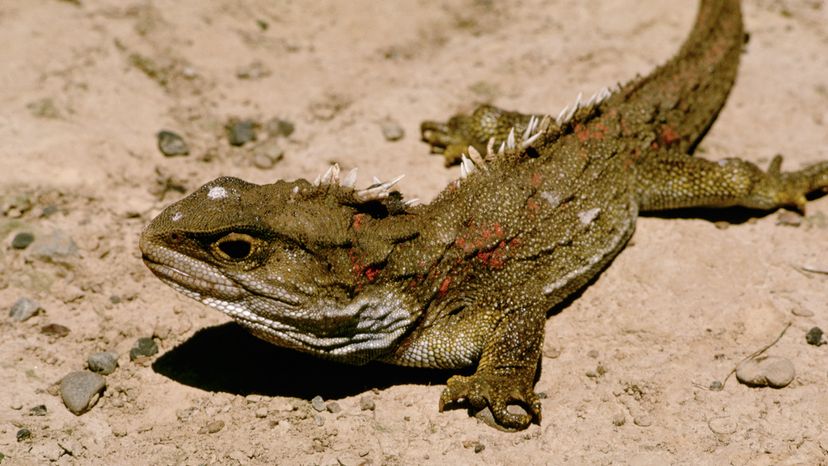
(498, 393)
(444, 140)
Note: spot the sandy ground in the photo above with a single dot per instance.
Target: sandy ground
(85, 85)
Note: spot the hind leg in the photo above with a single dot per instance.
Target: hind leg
(674, 181)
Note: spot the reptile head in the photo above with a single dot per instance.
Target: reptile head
(286, 260)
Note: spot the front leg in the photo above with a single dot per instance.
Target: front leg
(506, 373)
(453, 138)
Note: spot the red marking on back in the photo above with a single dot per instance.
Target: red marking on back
(358, 219)
(532, 206)
(585, 133)
(444, 286)
(371, 273)
(669, 135)
(536, 179)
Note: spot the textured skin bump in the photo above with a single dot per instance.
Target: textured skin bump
(466, 281)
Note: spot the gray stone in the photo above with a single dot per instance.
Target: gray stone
(814, 337)
(240, 132)
(24, 308)
(171, 144)
(143, 347)
(367, 404)
(277, 127)
(57, 247)
(80, 390)
(22, 240)
(266, 154)
(766, 371)
(391, 130)
(318, 403)
(104, 362)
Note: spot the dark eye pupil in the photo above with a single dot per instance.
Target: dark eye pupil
(235, 249)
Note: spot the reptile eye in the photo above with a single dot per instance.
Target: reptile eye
(235, 246)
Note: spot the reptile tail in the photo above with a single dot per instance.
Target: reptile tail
(690, 89)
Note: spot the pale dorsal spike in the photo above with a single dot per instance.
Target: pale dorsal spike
(531, 140)
(375, 180)
(544, 124)
(592, 100)
(570, 113)
(467, 164)
(350, 178)
(490, 153)
(475, 157)
(412, 202)
(393, 182)
(502, 149)
(463, 171)
(578, 100)
(510, 139)
(378, 190)
(528, 131)
(331, 176)
(560, 119)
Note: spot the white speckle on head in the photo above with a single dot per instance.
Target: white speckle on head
(586, 217)
(177, 216)
(217, 192)
(553, 199)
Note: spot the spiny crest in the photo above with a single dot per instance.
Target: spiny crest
(568, 112)
(535, 128)
(376, 191)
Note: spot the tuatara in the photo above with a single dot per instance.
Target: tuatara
(543, 204)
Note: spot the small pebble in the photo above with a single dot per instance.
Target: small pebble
(318, 403)
(266, 154)
(391, 130)
(716, 386)
(319, 420)
(253, 71)
(24, 308)
(802, 312)
(104, 362)
(277, 127)
(643, 420)
(474, 444)
(722, 425)
(619, 419)
(261, 413)
(770, 371)
(367, 404)
(143, 347)
(55, 330)
(240, 132)
(333, 407)
(171, 144)
(57, 247)
(213, 426)
(80, 390)
(39, 410)
(814, 337)
(23, 434)
(22, 240)
(788, 218)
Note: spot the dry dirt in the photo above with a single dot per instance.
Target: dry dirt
(85, 85)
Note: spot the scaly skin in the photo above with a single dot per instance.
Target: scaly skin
(359, 275)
